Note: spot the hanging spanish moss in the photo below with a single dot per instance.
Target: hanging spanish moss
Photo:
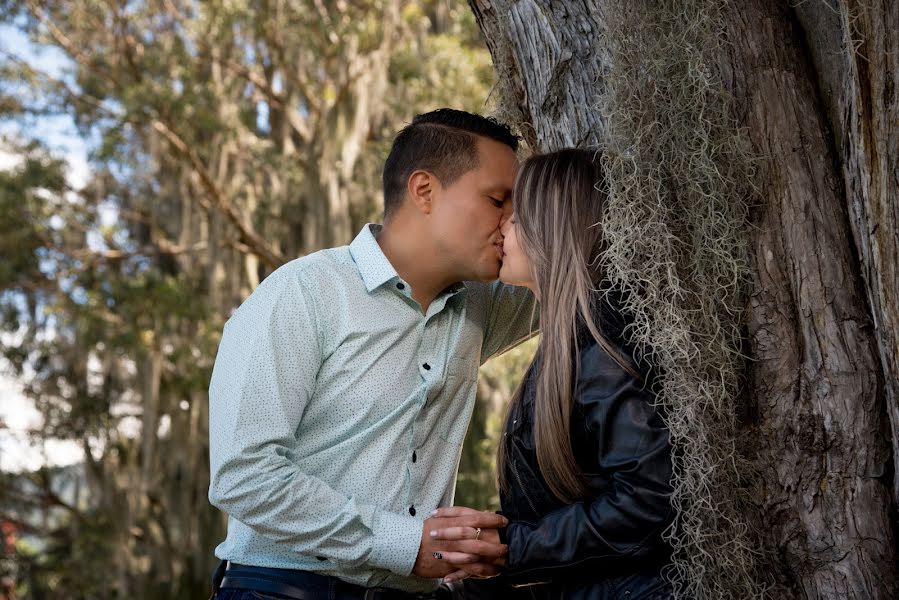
(678, 172)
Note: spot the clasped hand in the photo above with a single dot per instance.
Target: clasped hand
(459, 542)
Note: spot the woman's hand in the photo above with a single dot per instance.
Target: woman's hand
(468, 538)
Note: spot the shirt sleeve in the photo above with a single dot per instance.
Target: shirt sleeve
(511, 318)
(262, 381)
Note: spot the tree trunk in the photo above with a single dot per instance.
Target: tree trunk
(819, 385)
(823, 312)
(858, 92)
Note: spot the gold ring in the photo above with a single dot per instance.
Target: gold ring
(478, 532)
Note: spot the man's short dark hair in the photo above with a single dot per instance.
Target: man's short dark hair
(442, 142)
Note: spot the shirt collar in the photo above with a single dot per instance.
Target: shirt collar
(373, 266)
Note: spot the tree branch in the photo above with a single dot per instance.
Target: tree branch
(248, 234)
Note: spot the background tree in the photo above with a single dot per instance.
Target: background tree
(227, 138)
(751, 151)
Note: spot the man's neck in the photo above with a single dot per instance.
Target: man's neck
(415, 262)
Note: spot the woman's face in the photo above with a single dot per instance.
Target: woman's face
(516, 267)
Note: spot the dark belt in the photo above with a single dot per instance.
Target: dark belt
(303, 585)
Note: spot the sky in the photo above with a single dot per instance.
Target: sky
(58, 132)
(17, 451)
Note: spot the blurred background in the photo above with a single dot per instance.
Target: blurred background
(158, 158)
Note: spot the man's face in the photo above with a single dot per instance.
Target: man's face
(467, 215)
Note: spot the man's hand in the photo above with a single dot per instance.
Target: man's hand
(468, 534)
(476, 556)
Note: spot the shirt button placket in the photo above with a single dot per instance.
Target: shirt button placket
(426, 367)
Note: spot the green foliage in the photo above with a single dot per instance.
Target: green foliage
(23, 230)
(226, 137)
(70, 562)
(497, 381)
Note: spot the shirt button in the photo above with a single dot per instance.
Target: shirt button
(412, 510)
(427, 367)
(414, 456)
(400, 286)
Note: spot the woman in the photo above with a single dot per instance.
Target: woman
(585, 460)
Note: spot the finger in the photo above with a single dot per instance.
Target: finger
(479, 547)
(460, 558)
(452, 511)
(481, 570)
(455, 576)
(484, 520)
(454, 533)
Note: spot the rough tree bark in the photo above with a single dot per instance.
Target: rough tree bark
(815, 88)
(856, 56)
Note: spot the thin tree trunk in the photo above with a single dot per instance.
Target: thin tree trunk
(150, 374)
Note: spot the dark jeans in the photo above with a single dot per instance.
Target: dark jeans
(244, 595)
(270, 586)
(226, 594)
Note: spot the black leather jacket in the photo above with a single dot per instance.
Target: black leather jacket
(609, 545)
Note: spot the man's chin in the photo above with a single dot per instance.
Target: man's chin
(487, 275)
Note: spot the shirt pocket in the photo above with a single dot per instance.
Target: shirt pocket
(462, 367)
(458, 397)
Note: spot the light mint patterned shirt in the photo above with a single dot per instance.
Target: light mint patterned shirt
(338, 410)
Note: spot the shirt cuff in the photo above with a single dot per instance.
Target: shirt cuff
(397, 540)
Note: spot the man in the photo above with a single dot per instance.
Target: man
(344, 384)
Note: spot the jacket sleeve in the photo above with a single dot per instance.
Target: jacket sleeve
(632, 446)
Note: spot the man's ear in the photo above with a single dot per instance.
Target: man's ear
(421, 187)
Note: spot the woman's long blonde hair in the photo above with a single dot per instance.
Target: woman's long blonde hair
(559, 204)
